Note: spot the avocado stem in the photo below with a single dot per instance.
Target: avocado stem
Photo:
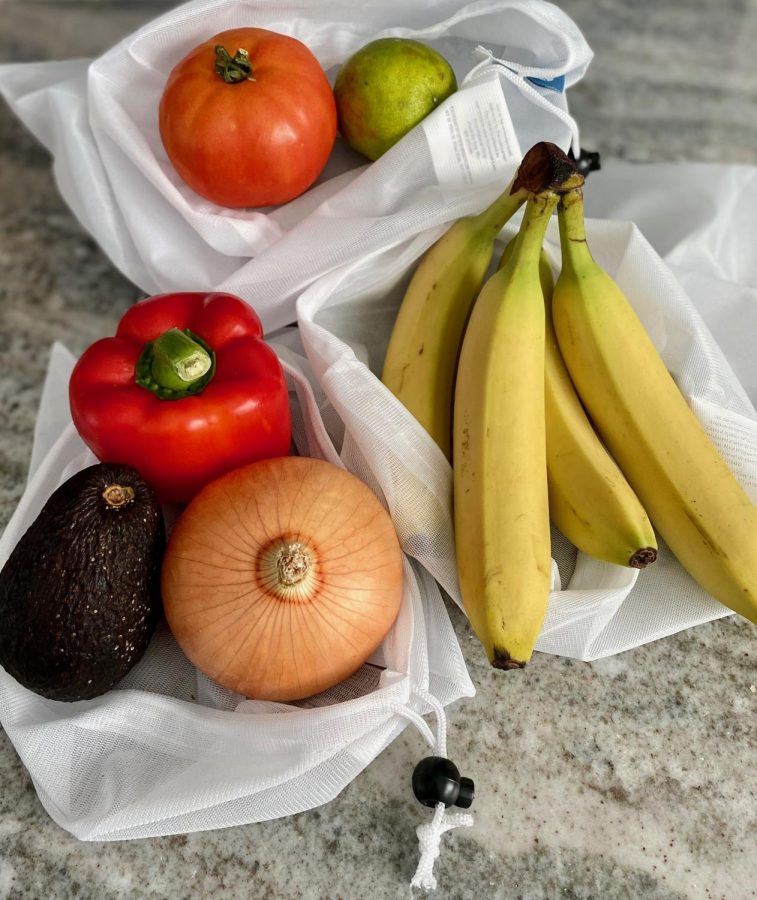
(117, 495)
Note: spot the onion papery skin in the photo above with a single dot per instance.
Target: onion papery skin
(281, 578)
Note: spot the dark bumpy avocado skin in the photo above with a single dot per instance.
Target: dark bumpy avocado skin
(80, 594)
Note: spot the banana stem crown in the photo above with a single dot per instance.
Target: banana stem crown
(547, 167)
(544, 169)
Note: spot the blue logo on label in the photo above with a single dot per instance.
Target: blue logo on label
(553, 84)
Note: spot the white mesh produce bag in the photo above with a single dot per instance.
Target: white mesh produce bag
(100, 120)
(596, 609)
(168, 750)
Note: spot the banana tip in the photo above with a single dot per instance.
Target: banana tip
(502, 660)
(643, 558)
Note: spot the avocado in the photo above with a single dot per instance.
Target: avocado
(80, 594)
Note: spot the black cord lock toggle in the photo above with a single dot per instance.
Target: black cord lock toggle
(437, 780)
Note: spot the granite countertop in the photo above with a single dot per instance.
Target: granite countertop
(631, 777)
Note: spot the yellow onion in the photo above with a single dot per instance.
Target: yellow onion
(281, 578)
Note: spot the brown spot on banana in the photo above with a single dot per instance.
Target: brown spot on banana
(704, 535)
(465, 443)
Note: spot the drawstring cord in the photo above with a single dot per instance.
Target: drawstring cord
(438, 743)
(430, 840)
(517, 75)
(430, 833)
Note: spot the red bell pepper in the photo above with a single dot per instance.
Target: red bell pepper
(186, 391)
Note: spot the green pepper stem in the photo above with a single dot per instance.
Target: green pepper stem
(233, 69)
(175, 365)
(178, 361)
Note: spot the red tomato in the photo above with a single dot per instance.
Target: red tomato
(248, 135)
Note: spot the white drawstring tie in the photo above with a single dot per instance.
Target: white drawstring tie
(430, 833)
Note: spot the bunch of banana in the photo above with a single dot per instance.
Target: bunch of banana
(421, 360)
(509, 405)
(589, 499)
(523, 448)
(693, 499)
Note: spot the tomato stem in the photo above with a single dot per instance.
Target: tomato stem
(233, 69)
(175, 365)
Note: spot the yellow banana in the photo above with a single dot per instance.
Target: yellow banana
(421, 359)
(693, 499)
(589, 499)
(499, 458)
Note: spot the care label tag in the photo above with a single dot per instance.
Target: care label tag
(471, 136)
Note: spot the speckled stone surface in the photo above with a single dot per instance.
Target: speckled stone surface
(628, 778)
